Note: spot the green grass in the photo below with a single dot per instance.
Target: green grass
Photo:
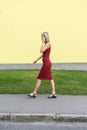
(23, 81)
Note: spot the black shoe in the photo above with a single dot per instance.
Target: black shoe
(52, 96)
(32, 95)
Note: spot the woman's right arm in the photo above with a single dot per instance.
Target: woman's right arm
(38, 58)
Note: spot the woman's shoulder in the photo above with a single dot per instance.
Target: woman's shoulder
(48, 44)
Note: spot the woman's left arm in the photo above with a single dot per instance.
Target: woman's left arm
(44, 47)
(38, 58)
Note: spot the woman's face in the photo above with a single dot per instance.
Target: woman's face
(43, 38)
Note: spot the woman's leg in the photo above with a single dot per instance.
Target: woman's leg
(53, 86)
(37, 86)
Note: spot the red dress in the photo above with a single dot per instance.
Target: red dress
(45, 72)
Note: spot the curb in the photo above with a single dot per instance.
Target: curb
(18, 117)
(55, 66)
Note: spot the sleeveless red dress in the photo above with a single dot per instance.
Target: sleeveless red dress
(45, 72)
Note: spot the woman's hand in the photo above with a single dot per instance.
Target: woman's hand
(45, 47)
(35, 62)
(43, 44)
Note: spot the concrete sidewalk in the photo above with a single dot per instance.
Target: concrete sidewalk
(25, 109)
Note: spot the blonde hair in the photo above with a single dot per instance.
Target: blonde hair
(46, 35)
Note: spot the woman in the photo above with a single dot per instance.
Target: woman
(45, 72)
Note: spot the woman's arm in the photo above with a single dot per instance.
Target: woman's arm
(44, 47)
(38, 58)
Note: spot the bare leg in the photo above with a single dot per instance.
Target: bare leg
(53, 86)
(37, 86)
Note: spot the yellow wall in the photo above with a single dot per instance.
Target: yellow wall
(22, 22)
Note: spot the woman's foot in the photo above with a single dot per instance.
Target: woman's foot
(33, 95)
(52, 96)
